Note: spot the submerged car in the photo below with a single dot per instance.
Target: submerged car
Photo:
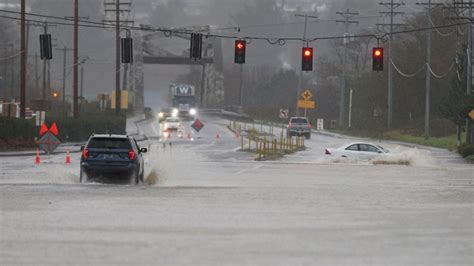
(357, 150)
(112, 157)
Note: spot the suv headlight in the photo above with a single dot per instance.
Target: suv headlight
(161, 115)
(192, 111)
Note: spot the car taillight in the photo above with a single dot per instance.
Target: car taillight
(327, 152)
(85, 154)
(131, 155)
(290, 125)
(309, 125)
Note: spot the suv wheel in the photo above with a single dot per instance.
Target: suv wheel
(83, 177)
(142, 180)
(134, 179)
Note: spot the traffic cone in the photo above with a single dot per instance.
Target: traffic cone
(38, 158)
(218, 136)
(189, 136)
(237, 135)
(68, 157)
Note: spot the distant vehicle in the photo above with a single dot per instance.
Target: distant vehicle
(165, 113)
(357, 150)
(172, 124)
(183, 100)
(116, 157)
(299, 126)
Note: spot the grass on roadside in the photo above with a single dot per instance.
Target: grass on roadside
(449, 142)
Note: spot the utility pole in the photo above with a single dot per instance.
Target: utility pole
(23, 61)
(64, 50)
(12, 72)
(305, 42)
(347, 16)
(37, 78)
(82, 83)
(392, 6)
(460, 8)
(76, 60)
(115, 7)
(430, 5)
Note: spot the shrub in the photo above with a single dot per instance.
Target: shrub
(18, 134)
(466, 150)
(80, 129)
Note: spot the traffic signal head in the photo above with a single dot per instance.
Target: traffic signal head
(377, 56)
(240, 49)
(127, 50)
(196, 46)
(46, 50)
(307, 59)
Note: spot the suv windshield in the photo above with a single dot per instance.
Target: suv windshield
(109, 143)
(299, 121)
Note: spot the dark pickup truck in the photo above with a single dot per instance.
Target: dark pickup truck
(299, 126)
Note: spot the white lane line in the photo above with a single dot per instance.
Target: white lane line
(253, 168)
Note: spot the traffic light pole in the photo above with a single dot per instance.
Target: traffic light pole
(241, 86)
(300, 78)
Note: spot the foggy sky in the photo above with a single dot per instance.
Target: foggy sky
(99, 46)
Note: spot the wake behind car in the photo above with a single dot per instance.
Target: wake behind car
(299, 126)
(112, 157)
(357, 150)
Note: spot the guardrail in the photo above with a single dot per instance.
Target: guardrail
(264, 141)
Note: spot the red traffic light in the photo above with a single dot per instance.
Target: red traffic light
(240, 49)
(377, 59)
(378, 52)
(240, 45)
(307, 59)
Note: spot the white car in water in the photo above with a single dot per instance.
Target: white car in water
(359, 150)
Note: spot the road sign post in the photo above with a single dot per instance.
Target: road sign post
(306, 103)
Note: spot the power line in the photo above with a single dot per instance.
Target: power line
(270, 40)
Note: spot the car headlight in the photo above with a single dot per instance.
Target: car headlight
(161, 115)
(166, 125)
(192, 111)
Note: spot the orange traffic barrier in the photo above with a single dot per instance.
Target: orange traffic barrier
(68, 157)
(38, 158)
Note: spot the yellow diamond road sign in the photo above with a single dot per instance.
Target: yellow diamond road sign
(307, 95)
(471, 114)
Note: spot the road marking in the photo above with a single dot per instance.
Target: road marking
(253, 168)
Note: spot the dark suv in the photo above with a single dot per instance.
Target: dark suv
(114, 157)
(299, 126)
